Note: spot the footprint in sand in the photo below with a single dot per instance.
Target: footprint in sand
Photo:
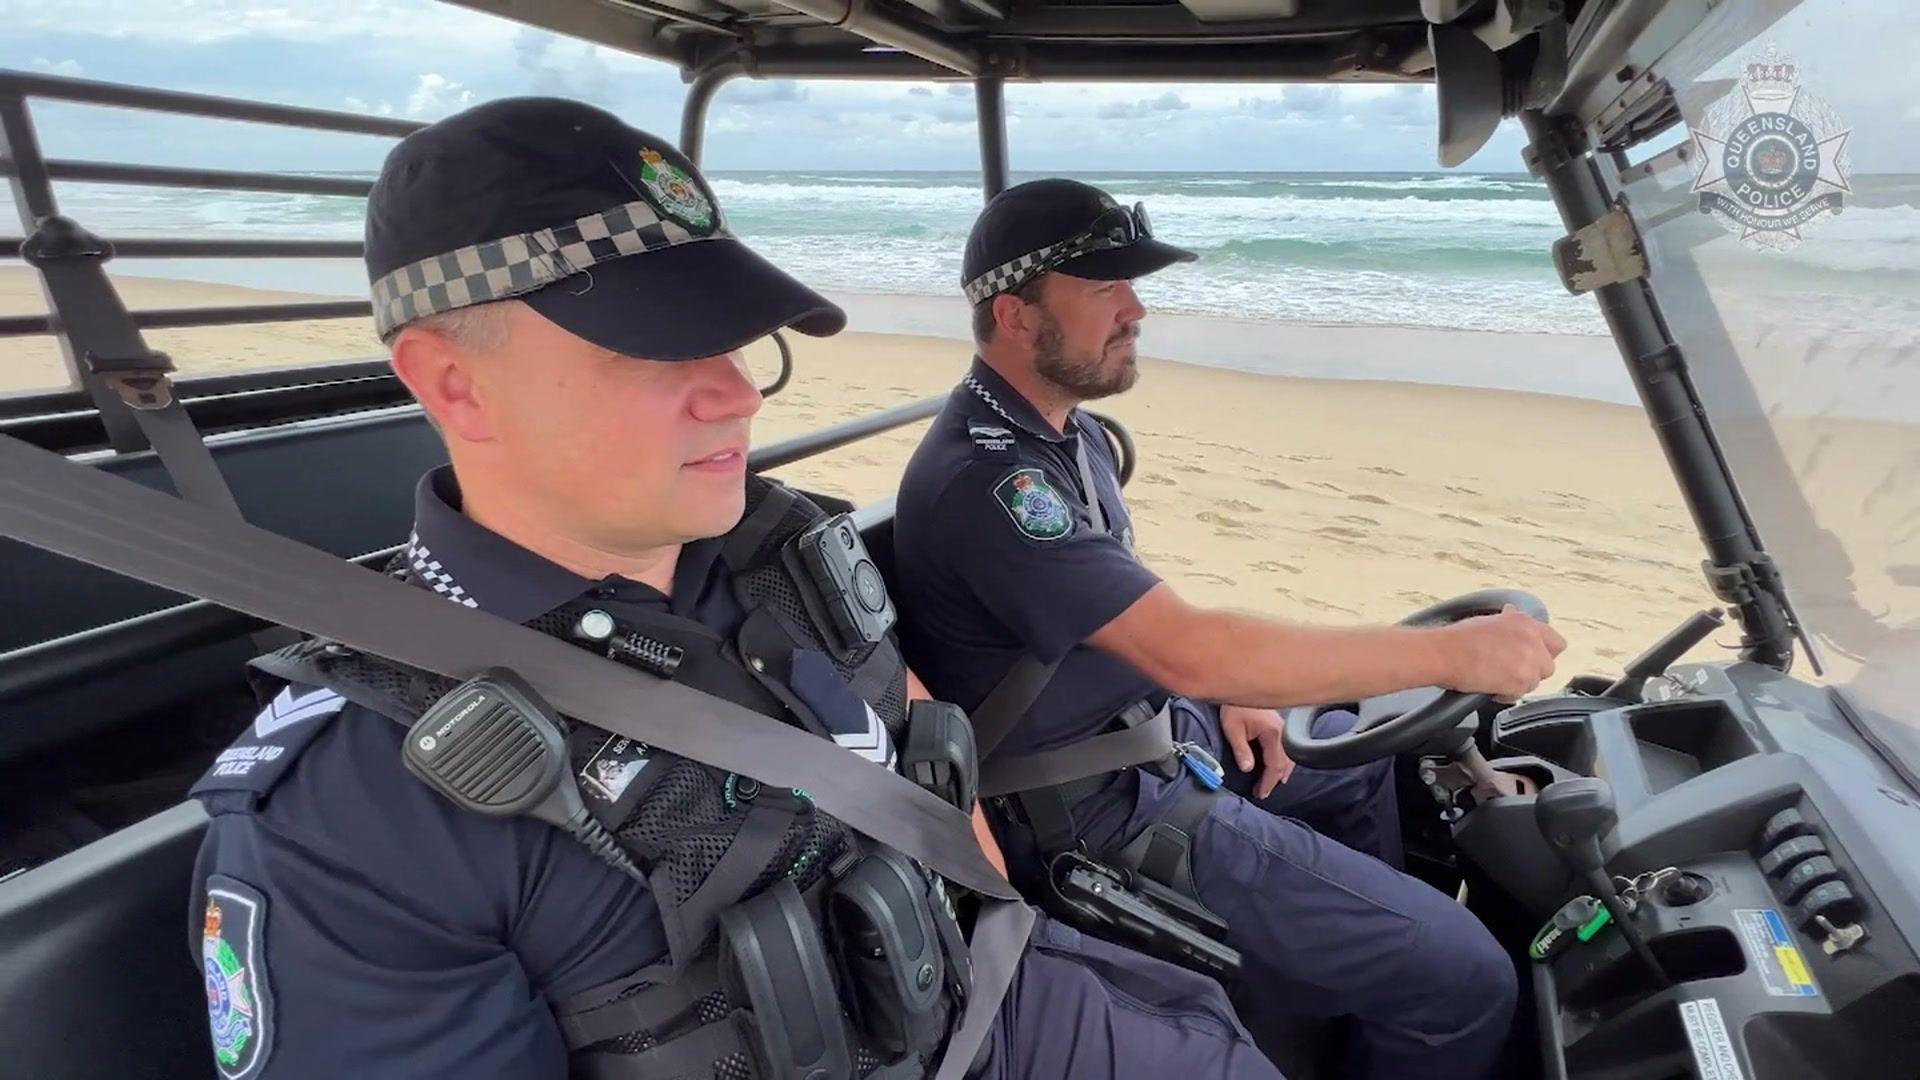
(1156, 478)
(1415, 597)
(1214, 517)
(1591, 579)
(1277, 485)
(1268, 566)
(1458, 559)
(1236, 504)
(1189, 468)
(1338, 532)
(1457, 519)
(1382, 470)
(1593, 624)
(1322, 605)
(1595, 555)
(1356, 519)
(1608, 654)
(1220, 578)
(1156, 557)
(1458, 490)
(1374, 499)
(1516, 519)
(1326, 486)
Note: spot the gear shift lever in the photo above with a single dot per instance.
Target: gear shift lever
(1573, 815)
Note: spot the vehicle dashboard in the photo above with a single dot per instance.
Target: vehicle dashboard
(1788, 925)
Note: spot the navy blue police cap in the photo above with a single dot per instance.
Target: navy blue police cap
(604, 229)
(1062, 225)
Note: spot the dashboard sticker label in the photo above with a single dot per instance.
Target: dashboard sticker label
(1712, 1048)
(1781, 965)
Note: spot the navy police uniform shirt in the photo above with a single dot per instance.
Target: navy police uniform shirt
(996, 555)
(348, 917)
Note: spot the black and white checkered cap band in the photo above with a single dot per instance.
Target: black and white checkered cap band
(513, 265)
(1011, 275)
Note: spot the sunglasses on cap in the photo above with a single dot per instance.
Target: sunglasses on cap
(1116, 227)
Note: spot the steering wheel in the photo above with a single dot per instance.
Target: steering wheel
(1406, 720)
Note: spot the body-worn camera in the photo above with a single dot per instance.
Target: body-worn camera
(844, 591)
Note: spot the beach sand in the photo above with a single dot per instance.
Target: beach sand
(1314, 500)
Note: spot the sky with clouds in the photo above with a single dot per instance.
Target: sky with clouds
(422, 59)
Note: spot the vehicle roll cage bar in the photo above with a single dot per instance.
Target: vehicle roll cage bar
(1583, 180)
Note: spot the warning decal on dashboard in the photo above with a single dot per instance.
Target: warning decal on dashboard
(1782, 967)
(1712, 1049)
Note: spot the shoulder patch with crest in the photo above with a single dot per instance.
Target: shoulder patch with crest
(1037, 509)
(233, 955)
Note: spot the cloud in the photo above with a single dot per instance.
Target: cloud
(959, 90)
(919, 91)
(361, 105)
(1297, 100)
(763, 92)
(437, 95)
(70, 68)
(562, 67)
(1125, 110)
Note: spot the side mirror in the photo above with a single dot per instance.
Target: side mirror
(1468, 84)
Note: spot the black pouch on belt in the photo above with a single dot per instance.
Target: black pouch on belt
(771, 958)
(938, 752)
(889, 949)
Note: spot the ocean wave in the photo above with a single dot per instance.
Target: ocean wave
(729, 190)
(1433, 254)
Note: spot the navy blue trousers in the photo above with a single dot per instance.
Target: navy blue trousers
(1083, 1007)
(1325, 928)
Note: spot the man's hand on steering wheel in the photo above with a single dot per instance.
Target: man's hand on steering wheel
(1243, 727)
(1504, 655)
(1496, 644)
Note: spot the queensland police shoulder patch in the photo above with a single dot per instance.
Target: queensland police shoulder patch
(233, 956)
(1036, 508)
(993, 439)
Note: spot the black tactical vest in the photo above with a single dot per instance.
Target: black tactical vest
(707, 839)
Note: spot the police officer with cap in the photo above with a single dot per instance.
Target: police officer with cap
(562, 295)
(1024, 601)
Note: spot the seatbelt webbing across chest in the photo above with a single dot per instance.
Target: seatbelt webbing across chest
(112, 523)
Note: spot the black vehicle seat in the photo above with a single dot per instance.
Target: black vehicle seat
(96, 978)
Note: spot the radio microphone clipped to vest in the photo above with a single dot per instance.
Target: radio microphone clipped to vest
(494, 747)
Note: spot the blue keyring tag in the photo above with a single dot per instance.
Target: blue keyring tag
(1206, 771)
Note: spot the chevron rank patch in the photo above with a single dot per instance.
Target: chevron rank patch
(847, 717)
(1036, 508)
(234, 961)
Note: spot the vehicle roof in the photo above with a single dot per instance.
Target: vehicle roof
(1239, 40)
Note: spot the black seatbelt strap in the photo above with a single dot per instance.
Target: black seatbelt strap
(114, 360)
(1003, 707)
(118, 525)
(1088, 489)
(1101, 754)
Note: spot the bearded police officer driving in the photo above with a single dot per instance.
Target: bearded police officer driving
(1089, 678)
(561, 294)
